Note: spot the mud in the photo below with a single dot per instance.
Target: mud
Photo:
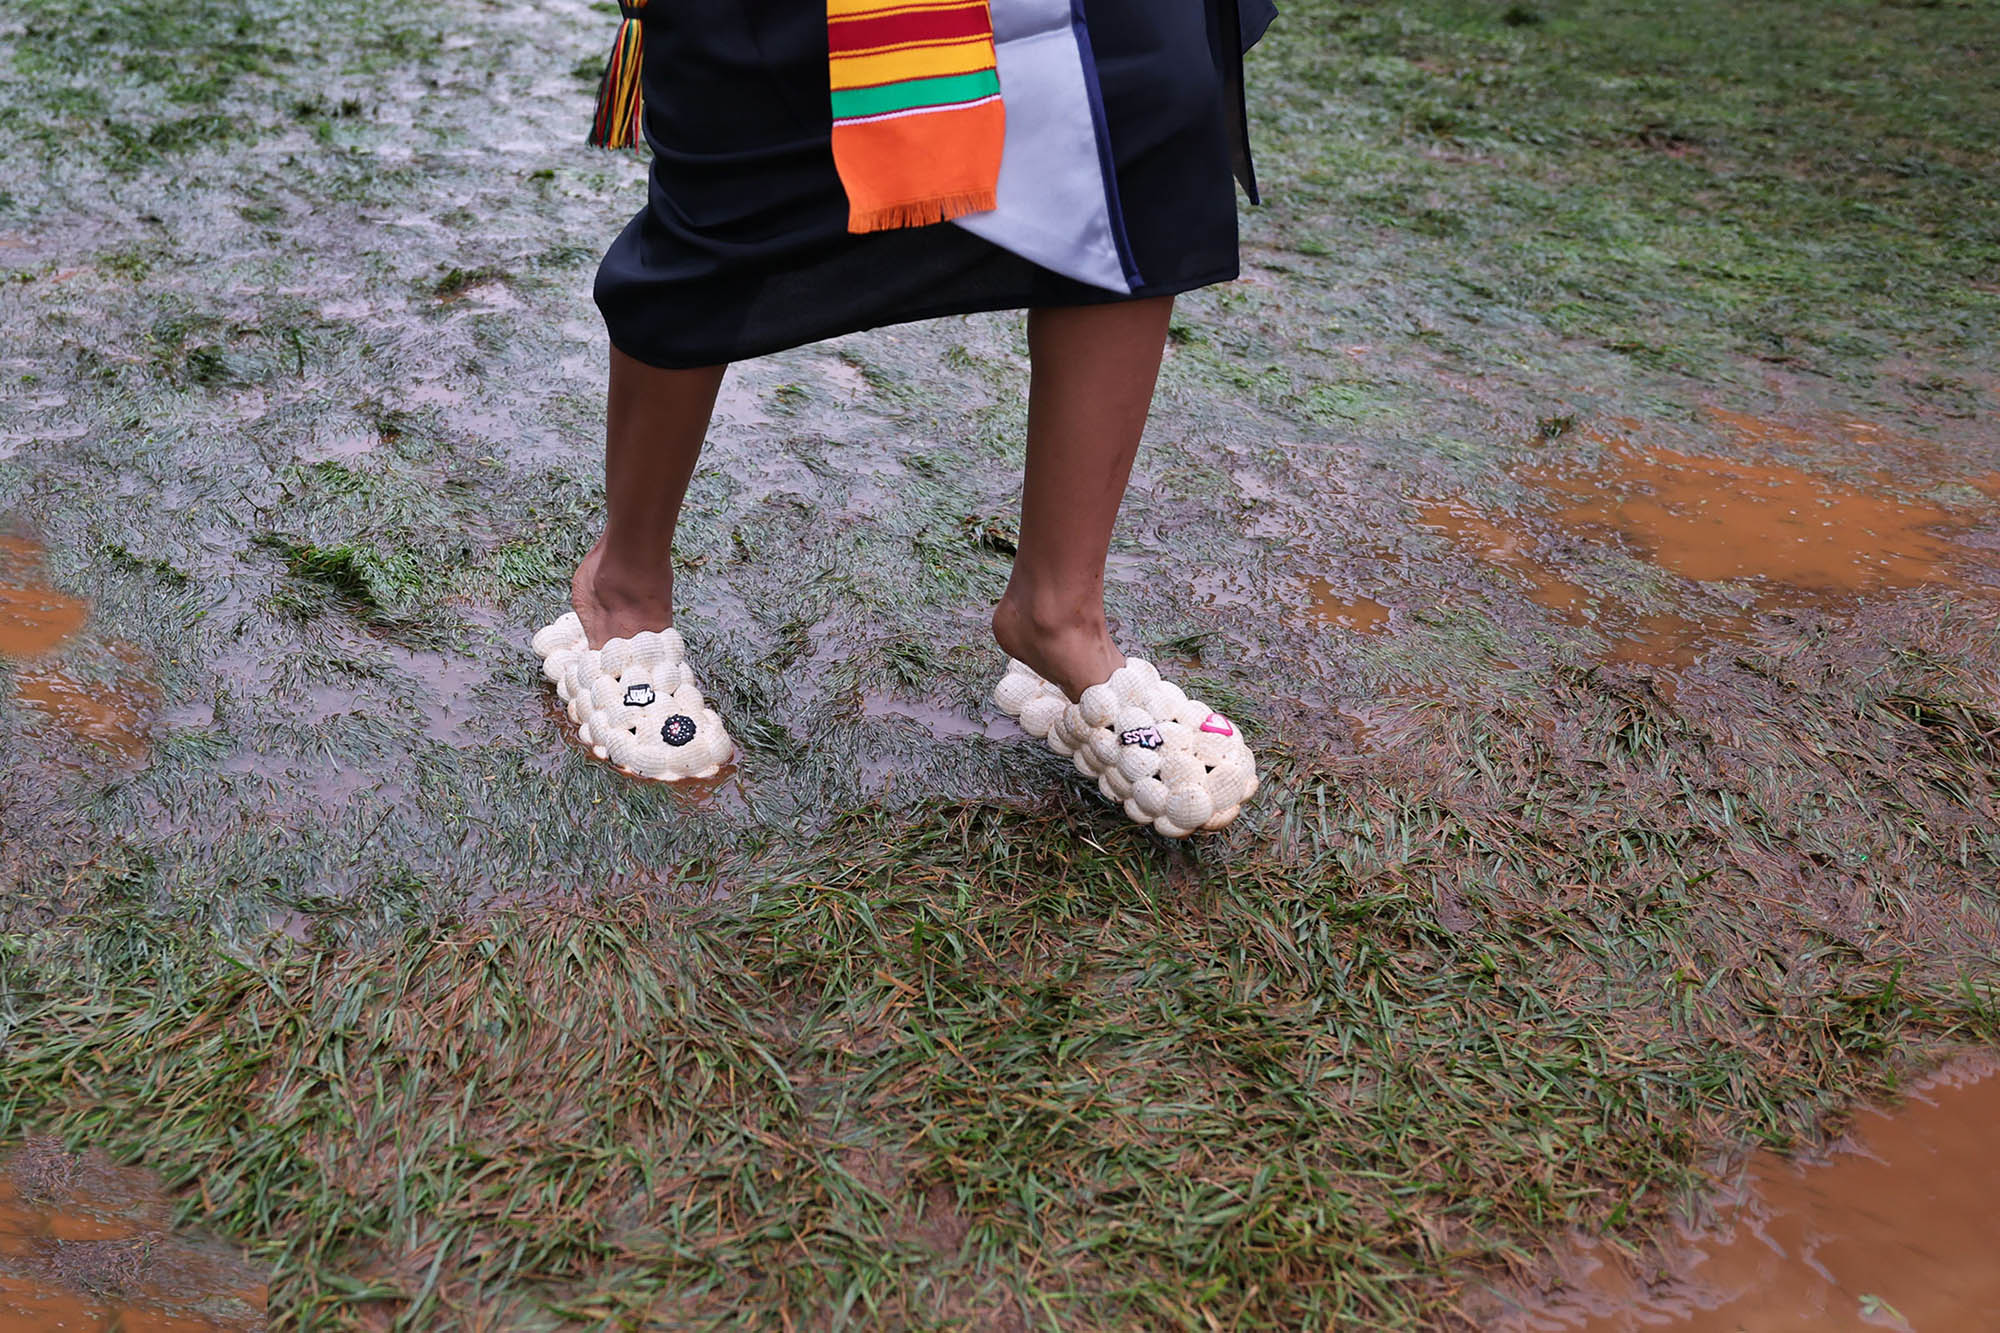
(936, 720)
(89, 1246)
(1330, 606)
(92, 719)
(1796, 533)
(1892, 1226)
(35, 619)
(102, 715)
(1772, 535)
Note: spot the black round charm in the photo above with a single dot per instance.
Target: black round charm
(678, 729)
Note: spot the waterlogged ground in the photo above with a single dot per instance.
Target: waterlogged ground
(85, 1246)
(1890, 1228)
(1588, 499)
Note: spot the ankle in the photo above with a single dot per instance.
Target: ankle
(1065, 641)
(1032, 611)
(615, 602)
(622, 585)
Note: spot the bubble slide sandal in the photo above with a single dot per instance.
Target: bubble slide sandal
(1172, 762)
(635, 701)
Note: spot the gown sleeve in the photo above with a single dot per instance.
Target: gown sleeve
(1254, 16)
(1241, 25)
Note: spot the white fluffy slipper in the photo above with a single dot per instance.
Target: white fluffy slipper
(635, 701)
(1170, 760)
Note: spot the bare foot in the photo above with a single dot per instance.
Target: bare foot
(615, 607)
(1073, 649)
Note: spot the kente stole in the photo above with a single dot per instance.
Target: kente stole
(918, 124)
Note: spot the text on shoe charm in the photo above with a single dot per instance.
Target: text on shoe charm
(638, 696)
(1147, 737)
(1217, 723)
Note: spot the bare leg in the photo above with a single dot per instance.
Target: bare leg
(1094, 371)
(656, 422)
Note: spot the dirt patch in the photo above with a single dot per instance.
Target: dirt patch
(36, 621)
(1891, 1227)
(85, 1244)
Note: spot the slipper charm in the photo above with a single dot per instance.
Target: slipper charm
(1168, 759)
(635, 702)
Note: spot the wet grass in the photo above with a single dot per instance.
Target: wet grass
(899, 1029)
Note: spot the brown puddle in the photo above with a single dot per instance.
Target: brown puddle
(1649, 638)
(1329, 606)
(1896, 1228)
(86, 1246)
(1799, 539)
(1512, 549)
(36, 620)
(1709, 519)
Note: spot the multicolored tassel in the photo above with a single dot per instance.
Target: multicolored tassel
(619, 95)
(918, 124)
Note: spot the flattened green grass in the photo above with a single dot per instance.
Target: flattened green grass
(969, 1067)
(1685, 185)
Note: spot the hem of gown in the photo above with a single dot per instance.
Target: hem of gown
(1084, 296)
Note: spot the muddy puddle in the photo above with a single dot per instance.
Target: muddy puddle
(1712, 519)
(1893, 1227)
(1331, 604)
(1764, 537)
(36, 622)
(88, 1247)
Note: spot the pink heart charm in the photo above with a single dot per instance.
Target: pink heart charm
(1217, 723)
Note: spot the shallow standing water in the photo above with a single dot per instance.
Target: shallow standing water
(86, 1247)
(36, 622)
(1897, 1227)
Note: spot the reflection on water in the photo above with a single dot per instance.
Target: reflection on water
(1896, 1228)
(86, 1247)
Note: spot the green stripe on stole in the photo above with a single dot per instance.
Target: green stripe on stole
(911, 94)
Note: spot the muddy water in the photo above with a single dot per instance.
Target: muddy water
(36, 620)
(1896, 1227)
(86, 1247)
(1331, 606)
(1710, 519)
(1795, 538)
(1508, 545)
(939, 721)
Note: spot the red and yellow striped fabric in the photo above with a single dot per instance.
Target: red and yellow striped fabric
(917, 118)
